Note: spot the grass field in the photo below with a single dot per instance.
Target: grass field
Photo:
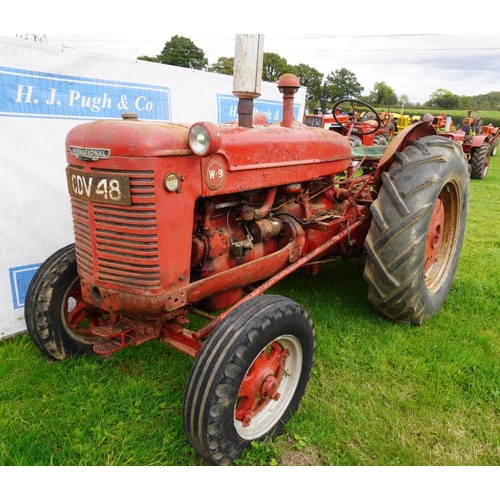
(381, 393)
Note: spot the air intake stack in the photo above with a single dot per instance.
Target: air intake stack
(247, 76)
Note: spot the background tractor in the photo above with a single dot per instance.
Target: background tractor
(389, 123)
(478, 141)
(181, 231)
(443, 123)
(360, 132)
(353, 124)
(405, 120)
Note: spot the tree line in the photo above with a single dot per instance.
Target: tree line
(322, 91)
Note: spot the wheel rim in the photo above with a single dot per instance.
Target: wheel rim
(268, 387)
(79, 317)
(486, 165)
(442, 236)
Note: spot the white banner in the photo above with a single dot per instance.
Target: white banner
(46, 91)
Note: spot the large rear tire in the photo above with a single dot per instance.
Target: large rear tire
(249, 377)
(355, 141)
(379, 140)
(57, 318)
(418, 226)
(480, 161)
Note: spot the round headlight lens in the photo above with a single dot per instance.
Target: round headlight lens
(199, 140)
(204, 139)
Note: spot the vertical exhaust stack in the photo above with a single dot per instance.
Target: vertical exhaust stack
(288, 85)
(247, 75)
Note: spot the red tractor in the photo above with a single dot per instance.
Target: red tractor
(478, 141)
(443, 123)
(173, 223)
(360, 132)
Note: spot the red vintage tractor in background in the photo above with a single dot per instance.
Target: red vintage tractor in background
(369, 132)
(479, 143)
(176, 222)
(349, 124)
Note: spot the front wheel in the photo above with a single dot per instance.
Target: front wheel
(417, 230)
(249, 377)
(58, 320)
(480, 162)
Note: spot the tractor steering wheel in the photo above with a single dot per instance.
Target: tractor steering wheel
(347, 125)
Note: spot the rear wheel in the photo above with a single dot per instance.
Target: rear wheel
(57, 318)
(480, 161)
(355, 141)
(417, 230)
(379, 140)
(249, 377)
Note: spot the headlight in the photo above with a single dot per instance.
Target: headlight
(204, 139)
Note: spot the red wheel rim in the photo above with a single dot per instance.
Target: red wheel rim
(435, 235)
(80, 317)
(261, 383)
(442, 237)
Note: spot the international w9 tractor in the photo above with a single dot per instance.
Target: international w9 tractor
(176, 222)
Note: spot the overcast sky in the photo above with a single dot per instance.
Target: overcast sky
(411, 64)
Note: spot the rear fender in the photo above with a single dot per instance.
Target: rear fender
(478, 140)
(411, 133)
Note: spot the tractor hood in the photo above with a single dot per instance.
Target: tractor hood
(271, 145)
(126, 138)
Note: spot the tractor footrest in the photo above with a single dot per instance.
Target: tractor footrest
(114, 330)
(109, 346)
(114, 337)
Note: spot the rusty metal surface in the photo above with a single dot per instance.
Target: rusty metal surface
(412, 132)
(261, 204)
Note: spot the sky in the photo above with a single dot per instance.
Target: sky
(413, 64)
(370, 41)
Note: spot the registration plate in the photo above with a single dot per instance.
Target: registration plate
(98, 188)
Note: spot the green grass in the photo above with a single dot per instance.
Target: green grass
(381, 393)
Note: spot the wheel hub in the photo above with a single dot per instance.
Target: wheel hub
(79, 317)
(261, 383)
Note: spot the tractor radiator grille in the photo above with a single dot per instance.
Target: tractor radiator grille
(118, 245)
